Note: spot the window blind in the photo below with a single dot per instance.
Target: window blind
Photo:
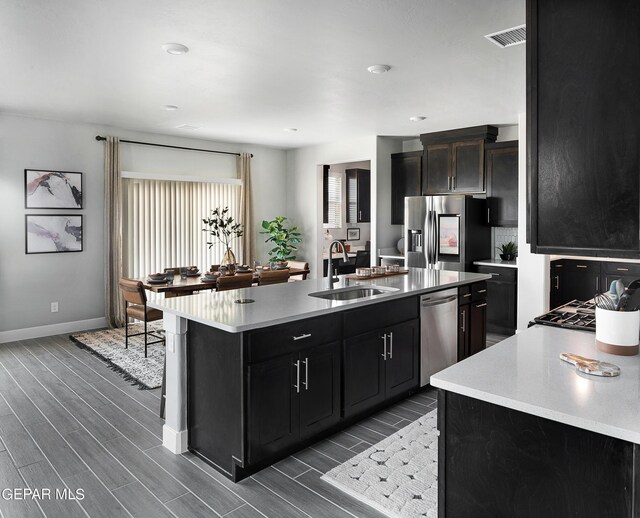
(162, 224)
(334, 219)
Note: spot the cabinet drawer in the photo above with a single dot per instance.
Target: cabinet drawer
(478, 291)
(286, 338)
(380, 315)
(464, 294)
(622, 269)
(582, 266)
(499, 273)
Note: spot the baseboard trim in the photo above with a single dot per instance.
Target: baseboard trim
(52, 329)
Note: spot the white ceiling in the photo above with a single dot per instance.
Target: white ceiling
(258, 66)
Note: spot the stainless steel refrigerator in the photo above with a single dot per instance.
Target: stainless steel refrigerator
(446, 232)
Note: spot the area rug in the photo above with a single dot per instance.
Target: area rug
(399, 475)
(108, 345)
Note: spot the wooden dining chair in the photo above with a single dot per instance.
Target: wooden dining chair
(299, 265)
(234, 282)
(135, 306)
(215, 267)
(273, 277)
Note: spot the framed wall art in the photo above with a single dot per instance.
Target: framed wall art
(52, 189)
(353, 234)
(52, 233)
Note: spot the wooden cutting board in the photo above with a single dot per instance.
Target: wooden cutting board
(591, 366)
(388, 274)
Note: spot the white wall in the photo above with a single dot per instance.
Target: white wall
(533, 269)
(31, 282)
(304, 190)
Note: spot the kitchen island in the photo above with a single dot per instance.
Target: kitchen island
(257, 373)
(524, 434)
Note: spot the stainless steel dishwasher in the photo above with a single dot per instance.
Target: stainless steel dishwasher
(438, 332)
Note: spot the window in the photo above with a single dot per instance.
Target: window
(162, 223)
(335, 202)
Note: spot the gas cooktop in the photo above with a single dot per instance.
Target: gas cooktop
(572, 315)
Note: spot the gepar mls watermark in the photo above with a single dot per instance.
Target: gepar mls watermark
(45, 493)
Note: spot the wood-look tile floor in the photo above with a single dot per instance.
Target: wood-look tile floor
(67, 422)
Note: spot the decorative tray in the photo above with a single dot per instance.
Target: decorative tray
(376, 276)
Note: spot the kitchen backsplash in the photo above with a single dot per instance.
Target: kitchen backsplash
(502, 235)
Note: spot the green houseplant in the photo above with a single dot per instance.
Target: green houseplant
(508, 251)
(284, 238)
(224, 229)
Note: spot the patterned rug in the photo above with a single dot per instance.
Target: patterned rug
(108, 345)
(399, 475)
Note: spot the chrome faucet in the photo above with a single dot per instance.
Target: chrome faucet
(334, 278)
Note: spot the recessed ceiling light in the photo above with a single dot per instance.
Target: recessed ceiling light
(417, 118)
(170, 107)
(175, 48)
(379, 69)
(290, 129)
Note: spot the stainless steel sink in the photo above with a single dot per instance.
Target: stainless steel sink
(352, 292)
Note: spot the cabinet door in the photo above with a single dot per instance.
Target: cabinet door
(406, 172)
(402, 359)
(501, 307)
(581, 280)
(319, 388)
(364, 196)
(477, 327)
(363, 372)
(463, 331)
(501, 165)
(273, 406)
(468, 166)
(437, 169)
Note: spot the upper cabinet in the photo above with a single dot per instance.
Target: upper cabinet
(406, 172)
(453, 161)
(583, 108)
(358, 195)
(501, 167)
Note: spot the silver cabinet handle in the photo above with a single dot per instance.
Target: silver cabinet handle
(622, 269)
(467, 295)
(481, 305)
(384, 339)
(581, 266)
(481, 291)
(495, 275)
(464, 316)
(488, 215)
(302, 337)
(597, 284)
(306, 373)
(297, 385)
(359, 215)
(557, 282)
(391, 345)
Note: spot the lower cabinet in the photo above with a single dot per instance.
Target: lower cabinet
(472, 319)
(292, 397)
(380, 365)
(502, 295)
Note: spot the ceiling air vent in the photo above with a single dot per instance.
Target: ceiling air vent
(509, 37)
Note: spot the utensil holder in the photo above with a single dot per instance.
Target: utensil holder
(617, 332)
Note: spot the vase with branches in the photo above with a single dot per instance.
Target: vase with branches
(284, 238)
(224, 229)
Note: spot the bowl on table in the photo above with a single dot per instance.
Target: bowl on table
(243, 268)
(193, 271)
(157, 276)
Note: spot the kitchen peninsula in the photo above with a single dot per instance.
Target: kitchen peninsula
(524, 434)
(257, 373)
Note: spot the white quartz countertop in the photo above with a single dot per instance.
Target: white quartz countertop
(280, 303)
(496, 262)
(525, 373)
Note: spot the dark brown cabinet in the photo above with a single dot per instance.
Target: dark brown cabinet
(380, 365)
(358, 195)
(453, 161)
(501, 167)
(502, 295)
(583, 109)
(406, 174)
(472, 319)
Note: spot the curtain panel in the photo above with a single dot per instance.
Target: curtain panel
(163, 225)
(243, 164)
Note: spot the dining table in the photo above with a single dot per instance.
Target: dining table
(187, 285)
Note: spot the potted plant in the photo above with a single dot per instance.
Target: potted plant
(285, 239)
(224, 229)
(508, 251)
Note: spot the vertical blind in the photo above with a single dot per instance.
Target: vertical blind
(334, 215)
(162, 224)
